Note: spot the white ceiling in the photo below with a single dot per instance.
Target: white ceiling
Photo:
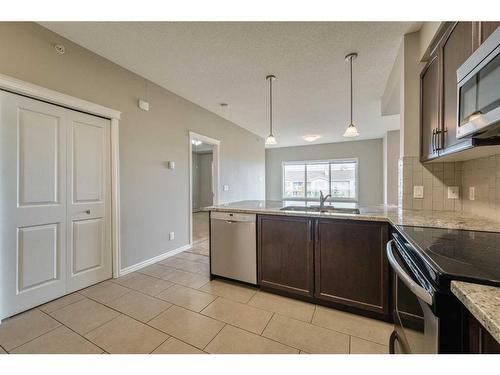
(212, 62)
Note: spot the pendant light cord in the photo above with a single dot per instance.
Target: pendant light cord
(350, 65)
(271, 106)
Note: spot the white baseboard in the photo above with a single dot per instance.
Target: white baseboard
(153, 260)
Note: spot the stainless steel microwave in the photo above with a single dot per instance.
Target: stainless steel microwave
(479, 91)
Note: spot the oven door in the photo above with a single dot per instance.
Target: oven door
(416, 328)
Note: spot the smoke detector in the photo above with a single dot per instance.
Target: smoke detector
(60, 49)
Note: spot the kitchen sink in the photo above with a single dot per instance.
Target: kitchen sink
(326, 209)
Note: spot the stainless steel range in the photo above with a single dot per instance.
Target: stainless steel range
(427, 317)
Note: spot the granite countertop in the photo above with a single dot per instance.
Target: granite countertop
(391, 214)
(483, 302)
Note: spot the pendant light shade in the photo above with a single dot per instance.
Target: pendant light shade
(271, 140)
(351, 130)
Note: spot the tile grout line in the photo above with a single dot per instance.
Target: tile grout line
(269, 321)
(72, 330)
(157, 315)
(34, 338)
(164, 341)
(213, 338)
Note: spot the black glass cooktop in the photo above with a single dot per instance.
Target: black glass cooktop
(458, 254)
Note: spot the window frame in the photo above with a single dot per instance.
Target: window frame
(320, 161)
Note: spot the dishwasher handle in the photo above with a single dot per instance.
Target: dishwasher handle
(233, 217)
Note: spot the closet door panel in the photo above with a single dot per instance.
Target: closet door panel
(89, 203)
(33, 203)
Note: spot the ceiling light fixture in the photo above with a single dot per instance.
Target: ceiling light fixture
(351, 130)
(271, 140)
(311, 137)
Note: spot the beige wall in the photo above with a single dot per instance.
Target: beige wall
(391, 158)
(154, 199)
(369, 153)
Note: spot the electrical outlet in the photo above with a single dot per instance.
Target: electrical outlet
(171, 236)
(472, 193)
(418, 192)
(452, 192)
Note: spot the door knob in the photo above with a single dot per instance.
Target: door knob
(87, 212)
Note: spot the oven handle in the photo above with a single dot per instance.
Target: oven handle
(420, 292)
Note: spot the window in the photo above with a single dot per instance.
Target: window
(304, 180)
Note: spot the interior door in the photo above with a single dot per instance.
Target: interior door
(89, 203)
(32, 203)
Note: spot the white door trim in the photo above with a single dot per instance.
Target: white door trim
(17, 86)
(215, 177)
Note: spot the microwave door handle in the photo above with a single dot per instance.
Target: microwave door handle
(420, 292)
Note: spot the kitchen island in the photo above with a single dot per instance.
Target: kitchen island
(338, 258)
(386, 213)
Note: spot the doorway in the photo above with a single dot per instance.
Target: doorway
(204, 186)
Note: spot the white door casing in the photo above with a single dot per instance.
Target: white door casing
(55, 165)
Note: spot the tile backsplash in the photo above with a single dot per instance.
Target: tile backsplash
(482, 174)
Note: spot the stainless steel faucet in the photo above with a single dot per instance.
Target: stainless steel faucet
(322, 200)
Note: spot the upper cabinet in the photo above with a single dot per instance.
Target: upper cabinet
(486, 29)
(456, 47)
(429, 109)
(438, 88)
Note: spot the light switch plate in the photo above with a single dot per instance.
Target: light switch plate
(452, 192)
(171, 236)
(472, 193)
(171, 164)
(418, 191)
(225, 187)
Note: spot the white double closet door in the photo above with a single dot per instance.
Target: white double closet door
(55, 202)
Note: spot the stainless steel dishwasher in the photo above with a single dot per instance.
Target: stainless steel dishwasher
(233, 252)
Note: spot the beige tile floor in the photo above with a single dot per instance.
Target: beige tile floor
(173, 307)
(172, 310)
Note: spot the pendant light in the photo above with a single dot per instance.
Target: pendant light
(351, 130)
(271, 140)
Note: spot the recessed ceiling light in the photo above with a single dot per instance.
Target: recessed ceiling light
(311, 137)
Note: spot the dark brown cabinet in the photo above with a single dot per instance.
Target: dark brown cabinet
(456, 47)
(285, 254)
(479, 340)
(438, 87)
(350, 264)
(486, 29)
(429, 110)
(340, 263)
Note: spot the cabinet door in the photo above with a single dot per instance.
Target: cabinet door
(285, 254)
(480, 341)
(455, 49)
(486, 29)
(350, 264)
(429, 110)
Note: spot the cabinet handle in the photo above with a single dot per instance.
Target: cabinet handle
(433, 140)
